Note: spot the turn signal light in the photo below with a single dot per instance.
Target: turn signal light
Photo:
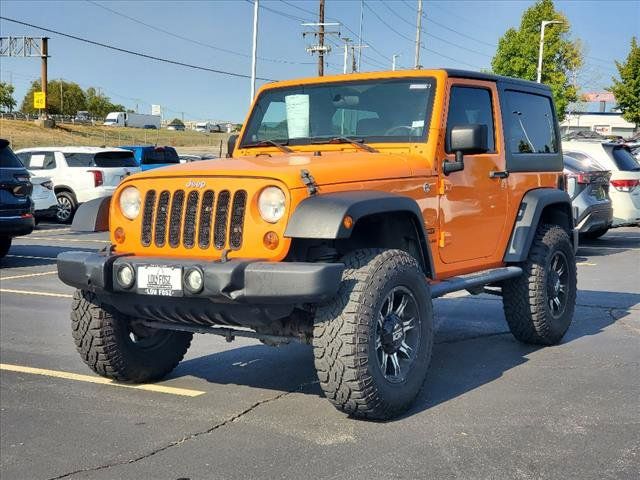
(119, 235)
(271, 240)
(347, 221)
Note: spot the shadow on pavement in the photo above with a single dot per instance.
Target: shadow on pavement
(463, 359)
(35, 255)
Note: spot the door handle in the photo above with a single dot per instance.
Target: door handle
(499, 174)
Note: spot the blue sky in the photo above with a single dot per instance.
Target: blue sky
(459, 34)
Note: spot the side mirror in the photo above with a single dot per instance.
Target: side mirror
(465, 140)
(231, 145)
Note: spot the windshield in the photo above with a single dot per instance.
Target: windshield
(394, 110)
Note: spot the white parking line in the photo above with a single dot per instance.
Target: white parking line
(50, 230)
(52, 239)
(42, 294)
(31, 257)
(28, 275)
(185, 392)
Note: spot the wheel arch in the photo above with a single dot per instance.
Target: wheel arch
(64, 188)
(380, 219)
(537, 207)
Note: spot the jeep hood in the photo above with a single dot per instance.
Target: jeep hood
(328, 168)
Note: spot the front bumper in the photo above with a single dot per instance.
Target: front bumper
(235, 281)
(16, 225)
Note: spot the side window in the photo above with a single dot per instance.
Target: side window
(39, 160)
(468, 105)
(79, 159)
(529, 124)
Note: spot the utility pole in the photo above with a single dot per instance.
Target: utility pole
(346, 54)
(393, 61)
(61, 99)
(418, 32)
(254, 54)
(44, 52)
(543, 24)
(321, 39)
(360, 32)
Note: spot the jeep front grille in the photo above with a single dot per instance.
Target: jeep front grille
(203, 215)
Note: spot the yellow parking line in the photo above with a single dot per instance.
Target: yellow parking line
(28, 275)
(586, 264)
(185, 392)
(29, 237)
(43, 294)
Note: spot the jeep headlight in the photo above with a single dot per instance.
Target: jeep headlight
(130, 202)
(271, 204)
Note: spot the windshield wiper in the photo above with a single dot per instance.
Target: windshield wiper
(264, 143)
(357, 142)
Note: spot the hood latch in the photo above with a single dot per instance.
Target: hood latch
(309, 181)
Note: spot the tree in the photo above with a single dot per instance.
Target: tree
(627, 89)
(7, 102)
(99, 105)
(517, 53)
(63, 98)
(177, 121)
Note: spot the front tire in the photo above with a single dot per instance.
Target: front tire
(114, 347)
(372, 343)
(539, 304)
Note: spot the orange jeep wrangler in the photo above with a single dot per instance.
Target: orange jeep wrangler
(346, 205)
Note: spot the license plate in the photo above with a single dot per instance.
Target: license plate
(159, 280)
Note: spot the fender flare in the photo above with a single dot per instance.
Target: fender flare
(524, 230)
(92, 216)
(321, 216)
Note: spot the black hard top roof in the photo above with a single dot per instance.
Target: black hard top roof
(509, 81)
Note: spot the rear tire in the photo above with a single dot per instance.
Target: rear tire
(371, 353)
(539, 304)
(594, 234)
(67, 206)
(5, 245)
(110, 345)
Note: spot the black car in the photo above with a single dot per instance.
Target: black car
(16, 207)
(588, 186)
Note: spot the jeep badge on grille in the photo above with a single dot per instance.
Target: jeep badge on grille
(196, 184)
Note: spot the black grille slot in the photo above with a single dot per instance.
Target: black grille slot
(161, 219)
(222, 216)
(206, 214)
(190, 219)
(176, 218)
(147, 217)
(237, 219)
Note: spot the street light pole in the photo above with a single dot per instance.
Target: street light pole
(393, 61)
(254, 50)
(540, 50)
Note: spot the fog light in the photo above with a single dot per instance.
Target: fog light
(193, 280)
(271, 240)
(126, 276)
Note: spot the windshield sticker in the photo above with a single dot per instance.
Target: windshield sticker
(419, 86)
(417, 124)
(297, 115)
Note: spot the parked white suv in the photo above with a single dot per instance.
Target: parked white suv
(79, 174)
(624, 188)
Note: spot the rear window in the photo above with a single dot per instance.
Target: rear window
(581, 163)
(102, 159)
(8, 159)
(624, 160)
(160, 155)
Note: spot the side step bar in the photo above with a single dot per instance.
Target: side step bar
(473, 280)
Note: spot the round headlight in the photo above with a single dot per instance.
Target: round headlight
(271, 204)
(130, 202)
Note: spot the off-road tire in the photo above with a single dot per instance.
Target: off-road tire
(526, 298)
(594, 234)
(5, 245)
(102, 337)
(68, 199)
(344, 329)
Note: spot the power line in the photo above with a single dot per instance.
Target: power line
(131, 52)
(191, 40)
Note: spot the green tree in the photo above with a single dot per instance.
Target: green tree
(177, 121)
(627, 89)
(63, 98)
(99, 105)
(517, 53)
(7, 102)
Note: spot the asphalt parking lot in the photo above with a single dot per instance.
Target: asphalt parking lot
(491, 408)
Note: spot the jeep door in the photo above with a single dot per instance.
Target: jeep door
(473, 201)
